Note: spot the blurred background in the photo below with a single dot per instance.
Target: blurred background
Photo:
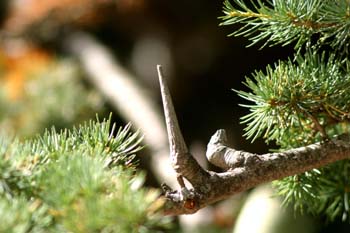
(63, 62)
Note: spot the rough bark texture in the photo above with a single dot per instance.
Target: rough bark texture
(182, 161)
(244, 170)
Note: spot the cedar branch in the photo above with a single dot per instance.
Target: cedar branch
(246, 170)
(243, 170)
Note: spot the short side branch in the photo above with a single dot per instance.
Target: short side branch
(246, 170)
(292, 161)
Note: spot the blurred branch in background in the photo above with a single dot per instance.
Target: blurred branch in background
(126, 95)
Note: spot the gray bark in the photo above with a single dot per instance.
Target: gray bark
(242, 170)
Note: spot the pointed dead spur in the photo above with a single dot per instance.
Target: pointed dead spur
(182, 161)
(185, 166)
(176, 141)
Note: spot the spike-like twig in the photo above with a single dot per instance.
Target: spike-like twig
(176, 140)
(182, 161)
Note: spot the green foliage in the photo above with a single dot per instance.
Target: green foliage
(305, 99)
(53, 96)
(298, 99)
(21, 216)
(301, 190)
(334, 190)
(324, 191)
(82, 180)
(283, 22)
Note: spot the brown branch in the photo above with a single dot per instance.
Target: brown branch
(244, 170)
(182, 161)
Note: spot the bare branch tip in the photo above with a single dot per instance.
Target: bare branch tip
(176, 141)
(160, 70)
